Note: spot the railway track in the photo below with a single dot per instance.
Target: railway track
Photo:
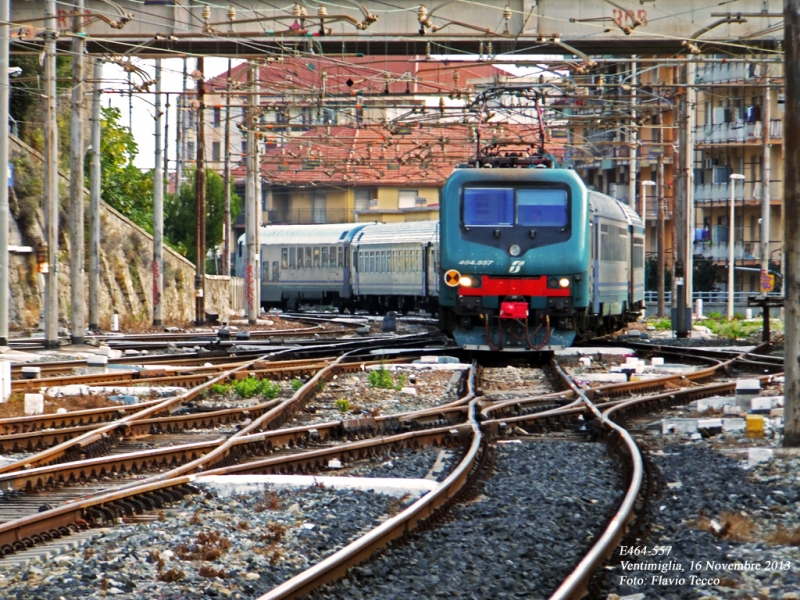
(470, 422)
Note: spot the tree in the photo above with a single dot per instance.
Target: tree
(122, 184)
(704, 274)
(180, 216)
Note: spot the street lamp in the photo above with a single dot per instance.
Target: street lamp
(733, 177)
(645, 184)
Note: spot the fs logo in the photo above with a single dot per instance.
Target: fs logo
(516, 266)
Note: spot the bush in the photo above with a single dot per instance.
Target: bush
(220, 388)
(270, 389)
(246, 388)
(297, 384)
(342, 405)
(382, 379)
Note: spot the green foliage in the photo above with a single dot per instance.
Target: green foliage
(714, 315)
(246, 388)
(250, 386)
(123, 185)
(651, 275)
(703, 274)
(270, 389)
(382, 379)
(342, 405)
(180, 214)
(321, 385)
(662, 324)
(221, 388)
(297, 384)
(735, 329)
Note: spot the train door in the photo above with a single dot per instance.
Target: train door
(350, 271)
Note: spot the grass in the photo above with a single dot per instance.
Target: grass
(732, 526)
(250, 386)
(382, 379)
(342, 405)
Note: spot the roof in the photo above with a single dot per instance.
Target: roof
(308, 234)
(398, 233)
(347, 76)
(414, 155)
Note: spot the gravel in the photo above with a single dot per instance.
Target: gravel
(314, 522)
(702, 484)
(536, 516)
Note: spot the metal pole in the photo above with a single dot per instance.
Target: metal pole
(691, 102)
(634, 136)
(4, 221)
(660, 236)
(731, 242)
(791, 223)
(200, 194)
(94, 202)
(166, 139)
(158, 211)
(76, 180)
(226, 181)
(766, 174)
(179, 126)
(252, 287)
(51, 181)
(681, 220)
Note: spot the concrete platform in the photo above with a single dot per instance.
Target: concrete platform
(227, 485)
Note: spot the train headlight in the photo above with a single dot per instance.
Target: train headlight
(558, 282)
(514, 250)
(465, 281)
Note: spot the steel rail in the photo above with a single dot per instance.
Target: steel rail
(337, 564)
(143, 495)
(576, 583)
(101, 432)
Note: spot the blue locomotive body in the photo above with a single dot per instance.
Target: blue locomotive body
(531, 259)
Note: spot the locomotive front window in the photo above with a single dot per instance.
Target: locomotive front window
(542, 207)
(488, 207)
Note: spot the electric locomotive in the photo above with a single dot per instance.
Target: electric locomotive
(530, 259)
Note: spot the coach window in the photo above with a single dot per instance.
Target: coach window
(343, 262)
(488, 207)
(316, 257)
(308, 257)
(275, 271)
(284, 258)
(542, 207)
(292, 262)
(406, 262)
(371, 261)
(332, 255)
(265, 271)
(324, 257)
(418, 256)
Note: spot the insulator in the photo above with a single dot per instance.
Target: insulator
(428, 50)
(231, 13)
(303, 11)
(322, 12)
(422, 14)
(206, 12)
(296, 10)
(489, 49)
(507, 13)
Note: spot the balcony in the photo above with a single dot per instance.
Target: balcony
(717, 192)
(718, 250)
(737, 132)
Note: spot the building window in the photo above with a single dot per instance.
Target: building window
(190, 151)
(216, 151)
(217, 116)
(407, 199)
(330, 116)
(244, 148)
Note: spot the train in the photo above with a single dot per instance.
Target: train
(521, 259)
(533, 260)
(350, 266)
